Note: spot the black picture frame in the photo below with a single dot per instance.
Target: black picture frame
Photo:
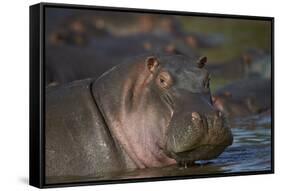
(37, 94)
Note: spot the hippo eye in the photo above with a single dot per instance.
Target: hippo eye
(164, 80)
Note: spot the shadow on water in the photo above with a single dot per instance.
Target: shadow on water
(250, 151)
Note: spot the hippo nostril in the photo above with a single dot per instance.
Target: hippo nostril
(195, 115)
(218, 114)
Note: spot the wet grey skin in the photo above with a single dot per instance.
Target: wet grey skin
(197, 131)
(151, 111)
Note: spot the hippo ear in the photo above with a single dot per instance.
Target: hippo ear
(152, 63)
(201, 62)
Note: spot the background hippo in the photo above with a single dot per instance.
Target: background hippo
(244, 97)
(253, 63)
(80, 27)
(151, 111)
(68, 63)
(83, 44)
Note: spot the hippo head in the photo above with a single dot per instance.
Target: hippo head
(159, 110)
(235, 107)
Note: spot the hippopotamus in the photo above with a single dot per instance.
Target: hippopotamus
(244, 97)
(257, 63)
(68, 63)
(150, 111)
(78, 27)
(252, 63)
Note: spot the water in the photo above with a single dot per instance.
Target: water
(250, 152)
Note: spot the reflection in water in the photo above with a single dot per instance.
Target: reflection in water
(250, 151)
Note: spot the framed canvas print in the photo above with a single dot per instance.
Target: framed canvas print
(127, 95)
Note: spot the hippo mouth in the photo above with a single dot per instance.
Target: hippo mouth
(203, 152)
(204, 138)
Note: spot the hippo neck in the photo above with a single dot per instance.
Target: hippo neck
(121, 96)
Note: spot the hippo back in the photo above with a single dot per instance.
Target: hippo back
(75, 130)
(257, 89)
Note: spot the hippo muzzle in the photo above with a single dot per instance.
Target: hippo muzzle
(200, 134)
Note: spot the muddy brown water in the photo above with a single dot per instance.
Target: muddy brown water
(250, 152)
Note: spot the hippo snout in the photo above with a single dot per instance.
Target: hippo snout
(198, 136)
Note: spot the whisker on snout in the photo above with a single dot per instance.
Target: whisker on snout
(167, 99)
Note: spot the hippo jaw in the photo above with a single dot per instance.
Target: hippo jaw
(203, 138)
(204, 152)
